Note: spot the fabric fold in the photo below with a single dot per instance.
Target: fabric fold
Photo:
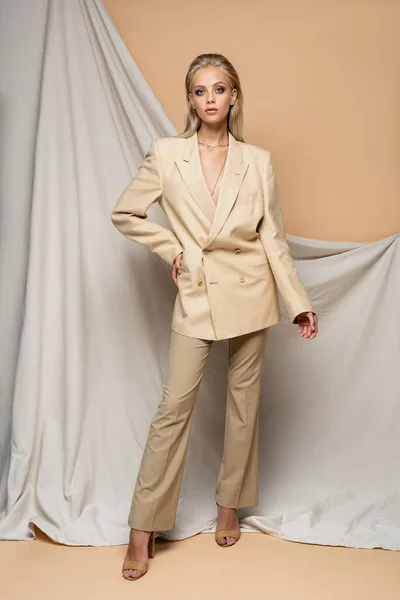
(86, 317)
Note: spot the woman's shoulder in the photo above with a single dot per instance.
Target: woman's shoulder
(165, 146)
(169, 145)
(251, 152)
(171, 139)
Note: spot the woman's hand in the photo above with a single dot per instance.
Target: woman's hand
(177, 268)
(308, 324)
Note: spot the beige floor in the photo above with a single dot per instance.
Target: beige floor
(258, 567)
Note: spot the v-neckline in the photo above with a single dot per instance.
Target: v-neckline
(202, 172)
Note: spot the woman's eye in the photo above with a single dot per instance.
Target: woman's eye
(220, 90)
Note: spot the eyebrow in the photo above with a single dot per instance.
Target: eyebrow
(199, 85)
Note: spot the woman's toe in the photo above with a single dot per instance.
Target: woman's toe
(222, 541)
(135, 573)
(131, 573)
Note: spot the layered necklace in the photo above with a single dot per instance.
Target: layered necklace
(210, 146)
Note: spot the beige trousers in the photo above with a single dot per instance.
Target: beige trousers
(156, 493)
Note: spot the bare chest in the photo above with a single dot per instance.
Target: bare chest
(213, 166)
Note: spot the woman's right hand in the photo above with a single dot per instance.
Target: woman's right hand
(177, 268)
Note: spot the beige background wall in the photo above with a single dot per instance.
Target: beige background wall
(321, 82)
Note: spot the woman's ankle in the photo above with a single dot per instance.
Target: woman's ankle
(226, 507)
(140, 531)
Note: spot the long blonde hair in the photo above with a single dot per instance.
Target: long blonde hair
(235, 115)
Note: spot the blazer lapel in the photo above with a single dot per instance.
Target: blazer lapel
(232, 178)
(191, 172)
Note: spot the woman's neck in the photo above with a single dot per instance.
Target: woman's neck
(213, 135)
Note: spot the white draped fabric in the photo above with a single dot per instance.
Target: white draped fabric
(85, 324)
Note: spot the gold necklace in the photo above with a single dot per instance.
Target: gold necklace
(212, 145)
(219, 175)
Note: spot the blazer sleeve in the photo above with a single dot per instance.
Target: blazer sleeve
(272, 235)
(129, 214)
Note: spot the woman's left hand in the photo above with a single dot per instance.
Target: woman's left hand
(308, 324)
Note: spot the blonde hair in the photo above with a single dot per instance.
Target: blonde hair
(235, 114)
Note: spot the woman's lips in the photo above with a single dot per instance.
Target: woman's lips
(211, 110)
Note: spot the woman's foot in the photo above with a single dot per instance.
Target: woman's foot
(227, 519)
(137, 550)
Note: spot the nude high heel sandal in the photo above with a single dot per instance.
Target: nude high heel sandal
(137, 564)
(220, 533)
(235, 533)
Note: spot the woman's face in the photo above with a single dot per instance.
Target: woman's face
(211, 90)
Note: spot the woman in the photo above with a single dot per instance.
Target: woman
(228, 256)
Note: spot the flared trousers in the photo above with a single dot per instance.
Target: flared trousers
(158, 483)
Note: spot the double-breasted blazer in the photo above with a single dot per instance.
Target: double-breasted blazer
(235, 254)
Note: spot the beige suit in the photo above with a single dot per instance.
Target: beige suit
(235, 255)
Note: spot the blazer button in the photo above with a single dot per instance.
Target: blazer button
(199, 283)
(237, 251)
(205, 251)
(242, 280)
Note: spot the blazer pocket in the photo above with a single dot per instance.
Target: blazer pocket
(248, 198)
(261, 265)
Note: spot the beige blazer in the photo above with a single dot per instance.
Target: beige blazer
(235, 255)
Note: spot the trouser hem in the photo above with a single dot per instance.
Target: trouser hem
(151, 526)
(237, 505)
(241, 500)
